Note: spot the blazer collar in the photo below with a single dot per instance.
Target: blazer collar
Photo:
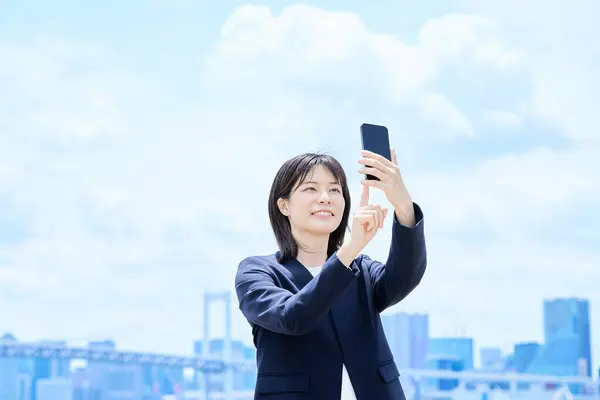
(300, 273)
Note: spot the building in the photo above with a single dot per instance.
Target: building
(242, 380)
(408, 338)
(453, 347)
(524, 354)
(567, 349)
(9, 373)
(54, 389)
(444, 363)
(491, 359)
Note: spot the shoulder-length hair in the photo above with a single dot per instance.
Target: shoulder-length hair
(291, 175)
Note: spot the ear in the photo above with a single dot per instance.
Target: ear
(283, 206)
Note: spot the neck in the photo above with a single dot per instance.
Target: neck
(312, 249)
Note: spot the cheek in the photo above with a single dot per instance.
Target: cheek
(339, 206)
(299, 208)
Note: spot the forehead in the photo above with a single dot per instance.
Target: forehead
(320, 173)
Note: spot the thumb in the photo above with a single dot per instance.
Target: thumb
(364, 198)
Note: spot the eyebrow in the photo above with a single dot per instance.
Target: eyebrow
(316, 183)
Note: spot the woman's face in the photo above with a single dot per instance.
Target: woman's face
(316, 205)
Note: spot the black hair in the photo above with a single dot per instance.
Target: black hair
(291, 174)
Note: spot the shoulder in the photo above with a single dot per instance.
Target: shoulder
(257, 264)
(256, 267)
(263, 261)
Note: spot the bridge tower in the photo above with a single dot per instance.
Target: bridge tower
(210, 299)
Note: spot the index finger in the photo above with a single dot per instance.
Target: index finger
(364, 197)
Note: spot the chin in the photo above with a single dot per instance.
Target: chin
(324, 229)
(323, 232)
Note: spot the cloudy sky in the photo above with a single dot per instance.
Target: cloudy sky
(138, 141)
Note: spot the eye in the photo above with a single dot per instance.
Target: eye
(336, 190)
(309, 188)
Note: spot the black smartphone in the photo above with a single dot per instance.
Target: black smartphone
(376, 139)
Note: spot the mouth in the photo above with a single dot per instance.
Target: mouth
(323, 213)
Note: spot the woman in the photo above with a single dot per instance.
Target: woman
(314, 305)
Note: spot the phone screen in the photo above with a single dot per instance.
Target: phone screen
(375, 138)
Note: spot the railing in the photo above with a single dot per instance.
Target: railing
(418, 384)
(473, 385)
(109, 356)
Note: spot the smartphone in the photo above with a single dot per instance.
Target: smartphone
(375, 138)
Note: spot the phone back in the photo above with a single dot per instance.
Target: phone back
(375, 138)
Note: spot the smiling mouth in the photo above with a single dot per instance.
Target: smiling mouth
(323, 214)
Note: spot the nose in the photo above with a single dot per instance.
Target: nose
(324, 197)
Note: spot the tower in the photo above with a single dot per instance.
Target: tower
(209, 299)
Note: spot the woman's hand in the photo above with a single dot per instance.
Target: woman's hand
(390, 182)
(366, 221)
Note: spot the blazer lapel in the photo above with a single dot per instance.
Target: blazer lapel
(301, 276)
(299, 273)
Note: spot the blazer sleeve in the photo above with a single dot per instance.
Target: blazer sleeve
(266, 304)
(402, 272)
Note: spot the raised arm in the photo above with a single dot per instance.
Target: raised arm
(405, 266)
(267, 305)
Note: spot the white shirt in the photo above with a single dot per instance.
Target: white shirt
(347, 389)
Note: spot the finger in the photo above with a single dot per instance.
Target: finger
(372, 171)
(366, 213)
(372, 221)
(371, 162)
(383, 215)
(377, 217)
(366, 221)
(364, 198)
(372, 183)
(376, 212)
(378, 157)
(394, 158)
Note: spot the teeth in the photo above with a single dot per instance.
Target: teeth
(323, 213)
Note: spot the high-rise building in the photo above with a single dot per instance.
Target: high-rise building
(567, 347)
(408, 337)
(9, 373)
(524, 354)
(47, 368)
(458, 347)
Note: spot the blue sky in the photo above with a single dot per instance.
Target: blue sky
(138, 141)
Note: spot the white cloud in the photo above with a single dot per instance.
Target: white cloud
(561, 59)
(486, 216)
(332, 57)
(461, 37)
(62, 93)
(130, 204)
(502, 120)
(448, 119)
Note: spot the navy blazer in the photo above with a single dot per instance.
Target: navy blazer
(305, 328)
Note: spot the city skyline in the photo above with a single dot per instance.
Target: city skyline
(247, 341)
(138, 141)
(31, 369)
(153, 375)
